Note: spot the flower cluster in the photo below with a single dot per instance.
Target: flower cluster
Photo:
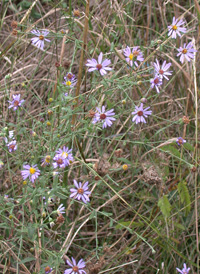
(63, 158)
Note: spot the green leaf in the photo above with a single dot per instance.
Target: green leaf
(164, 206)
(185, 196)
(172, 150)
(188, 146)
(26, 260)
(124, 160)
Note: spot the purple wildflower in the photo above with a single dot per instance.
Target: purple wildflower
(100, 66)
(16, 102)
(80, 192)
(38, 41)
(185, 270)
(161, 71)
(133, 56)
(46, 160)
(59, 161)
(156, 82)
(75, 268)
(104, 116)
(65, 152)
(187, 52)
(140, 113)
(180, 141)
(31, 172)
(61, 209)
(48, 269)
(12, 146)
(69, 80)
(175, 28)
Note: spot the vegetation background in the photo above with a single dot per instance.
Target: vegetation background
(143, 214)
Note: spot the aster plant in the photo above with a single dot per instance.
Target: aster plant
(103, 116)
(100, 65)
(162, 70)
(75, 268)
(16, 102)
(176, 28)
(186, 52)
(80, 192)
(185, 270)
(61, 209)
(66, 153)
(132, 56)
(12, 146)
(180, 141)
(39, 38)
(140, 114)
(156, 82)
(31, 172)
(69, 80)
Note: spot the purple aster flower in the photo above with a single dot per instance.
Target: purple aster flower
(31, 172)
(65, 152)
(104, 116)
(46, 160)
(175, 28)
(156, 82)
(59, 161)
(180, 141)
(48, 269)
(161, 71)
(100, 66)
(12, 146)
(133, 56)
(187, 52)
(16, 102)
(80, 192)
(140, 113)
(38, 41)
(185, 270)
(75, 268)
(61, 209)
(69, 80)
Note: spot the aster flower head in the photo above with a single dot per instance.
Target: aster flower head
(31, 172)
(162, 71)
(12, 146)
(132, 56)
(186, 52)
(59, 161)
(185, 270)
(46, 160)
(61, 209)
(156, 82)
(66, 153)
(75, 268)
(69, 80)
(80, 192)
(16, 102)
(175, 28)
(104, 116)
(140, 114)
(48, 269)
(38, 41)
(180, 141)
(100, 65)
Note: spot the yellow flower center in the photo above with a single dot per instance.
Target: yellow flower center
(32, 170)
(184, 51)
(75, 268)
(65, 154)
(131, 56)
(41, 37)
(68, 83)
(48, 158)
(174, 27)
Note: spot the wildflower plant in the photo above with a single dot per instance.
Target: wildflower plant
(91, 107)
